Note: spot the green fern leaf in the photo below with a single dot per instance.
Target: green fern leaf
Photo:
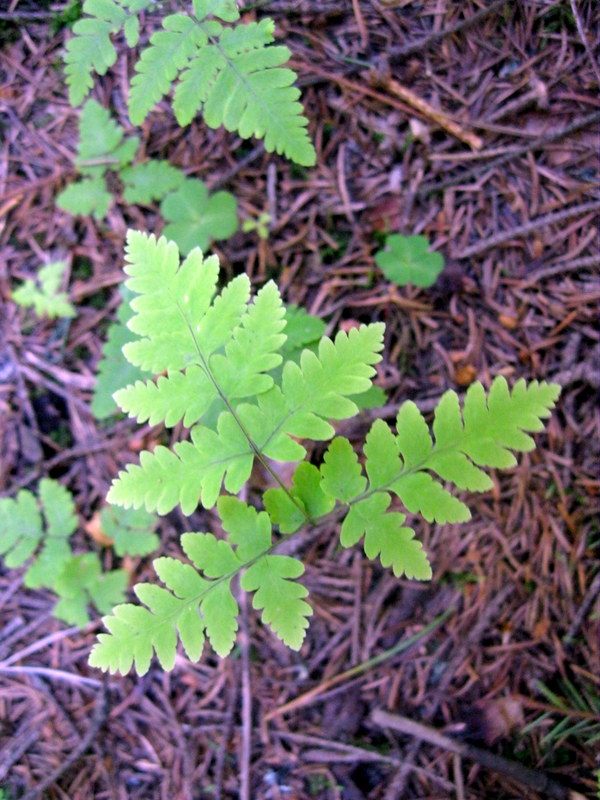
(114, 371)
(102, 144)
(61, 522)
(91, 49)
(194, 606)
(186, 329)
(385, 537)
(22, 530)
(46, 299)
(81, 582)
(271, 576)
(240, 84)
(168, 52)
(132, 531)
(150, 181)
(88, 197)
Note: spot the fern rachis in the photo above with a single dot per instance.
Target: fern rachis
(222, 356)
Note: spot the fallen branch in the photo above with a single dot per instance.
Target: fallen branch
(531, 778)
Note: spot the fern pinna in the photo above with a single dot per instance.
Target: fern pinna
(222, 377)
(232, 75)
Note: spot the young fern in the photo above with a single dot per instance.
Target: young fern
(222, 357)
(39, 529)
(232, 75)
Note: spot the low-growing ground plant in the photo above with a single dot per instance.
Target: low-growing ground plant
(37, 530)
(43, 293)
(408, 259)
(220, 371)
(231, 73)
(194, 217)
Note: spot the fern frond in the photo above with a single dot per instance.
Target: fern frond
(23, 529)
(198, 601)
(237, 81)
(402, 463)
(91, 48)
(168, 52)
(150, 181)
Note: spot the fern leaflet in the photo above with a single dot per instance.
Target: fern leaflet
(196, 606)
(91, 48)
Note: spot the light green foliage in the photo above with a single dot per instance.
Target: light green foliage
(199, 603)
(114, 371)
(87, 197)
(409, 260)
(260, 225)
(45, 524)
(150, 181)
(91, 49)
(81, 582)
(232, 75)
(131, 529)
(102, 146)
(194, 217)
(222, 356)
(43, 294)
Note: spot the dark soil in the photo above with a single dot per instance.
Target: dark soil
(514, 668)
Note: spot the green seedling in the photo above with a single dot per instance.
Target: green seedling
(407, 259)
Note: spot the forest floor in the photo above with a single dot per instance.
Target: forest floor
(510, 197)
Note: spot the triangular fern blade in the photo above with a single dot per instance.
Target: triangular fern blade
(279, 597)
(168, 53)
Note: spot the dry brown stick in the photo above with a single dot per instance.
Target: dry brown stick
(95, 724)
(432, 38)
(435, 115)
(535, 144)
(532, 225)
(531, 778)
